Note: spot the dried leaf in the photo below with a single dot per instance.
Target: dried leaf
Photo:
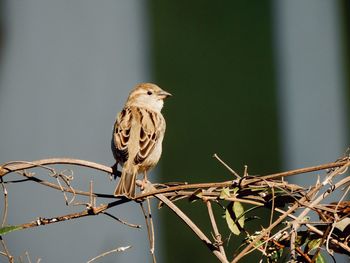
(342, 224)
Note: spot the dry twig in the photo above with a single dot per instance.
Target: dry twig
(119, 249)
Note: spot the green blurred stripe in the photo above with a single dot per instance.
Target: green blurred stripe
(216, 58)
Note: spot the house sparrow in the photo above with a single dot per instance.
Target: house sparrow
(138, 134)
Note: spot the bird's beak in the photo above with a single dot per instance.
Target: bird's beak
(164, 94)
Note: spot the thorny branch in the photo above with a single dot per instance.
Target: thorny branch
(261, 192)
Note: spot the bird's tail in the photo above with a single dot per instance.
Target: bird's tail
(127, 184)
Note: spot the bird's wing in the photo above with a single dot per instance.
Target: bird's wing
(121, 135)
(150, 132)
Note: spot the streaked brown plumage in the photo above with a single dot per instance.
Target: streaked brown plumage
(138, 135)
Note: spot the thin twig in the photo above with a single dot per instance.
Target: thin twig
(91, 190)
(217, 235)
(149, 230)
(206, 195)
(306, 170)
(28, 258)
(119, 249)
(7, 252)
(245, 173)
(57, 219)
(77, 192)
(336, 215)
(121, 221)
(66, 180)
(3, 254)
(4, 215)
(192, 226)
(150, 218)
(226, 166)
(21, 165)
(272, 211)
(292, 242)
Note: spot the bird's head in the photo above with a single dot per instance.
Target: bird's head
(148, 95)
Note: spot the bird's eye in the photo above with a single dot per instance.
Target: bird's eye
(149, 92)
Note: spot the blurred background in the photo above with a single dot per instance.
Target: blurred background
(262, 83)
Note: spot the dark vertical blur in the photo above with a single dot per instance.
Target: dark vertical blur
(217, 60)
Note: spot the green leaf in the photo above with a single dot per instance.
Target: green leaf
(7, 229)
(225, 192)
(235, 190)
(234, 215)
(314, 244)
(238, 209)
(231, 223)
(276, 255)
(320, 259)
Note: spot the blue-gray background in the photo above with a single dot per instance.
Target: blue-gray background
(262, 83)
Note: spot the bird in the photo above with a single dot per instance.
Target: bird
(138, 134)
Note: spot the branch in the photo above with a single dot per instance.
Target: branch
(87, 212)
(289, 211)
(21, 165)
(217, 235)
(301, 171)
(255, 190)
